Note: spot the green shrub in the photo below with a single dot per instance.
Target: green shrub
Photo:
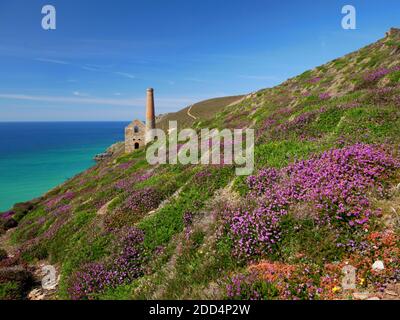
(3, 254)
(317, 244)
(14, 283)
(394, 77)
(10, 291)
(22, 209)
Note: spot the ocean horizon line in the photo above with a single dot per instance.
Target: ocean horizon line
(36, 156)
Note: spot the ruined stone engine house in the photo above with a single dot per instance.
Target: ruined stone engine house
(135, 132)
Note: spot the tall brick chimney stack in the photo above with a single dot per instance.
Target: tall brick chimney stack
(150, 114)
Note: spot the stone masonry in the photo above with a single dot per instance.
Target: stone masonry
(135, 132)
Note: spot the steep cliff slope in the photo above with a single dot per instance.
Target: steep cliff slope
(325, 194)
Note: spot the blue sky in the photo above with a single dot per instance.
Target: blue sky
(103, 55)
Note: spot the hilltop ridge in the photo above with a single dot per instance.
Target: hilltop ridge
(203, 110)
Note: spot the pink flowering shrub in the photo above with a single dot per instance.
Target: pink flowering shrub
(383, 96)
(62, 209)
(138, 203)
(7, 215)
(95, 278)
(272, 121)
(256, 231)
(142, 201)
(379, 73)
(298, 125)
(125, 165)
(59, 200)
(187, 222)
(92, 278)
(315, 80)
(325, 96)
(335, 184)
(376, 74)
(127, 183)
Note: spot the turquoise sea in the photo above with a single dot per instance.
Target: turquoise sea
(37, 156)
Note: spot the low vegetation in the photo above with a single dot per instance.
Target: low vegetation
(325, 194)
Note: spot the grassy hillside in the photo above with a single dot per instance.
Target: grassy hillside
(325, 193)
(204, 110)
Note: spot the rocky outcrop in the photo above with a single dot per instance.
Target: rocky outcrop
(45, 287)
(102, 156)
(393, 32)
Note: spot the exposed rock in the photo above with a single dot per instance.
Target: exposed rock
(115, 147)
(17, 273)
(378, 265)
(392, 32)
(374, 298)
(36, 294)
(390, 293)
(111, 151)
(103, 210)
(102, 156)
(360, 295)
